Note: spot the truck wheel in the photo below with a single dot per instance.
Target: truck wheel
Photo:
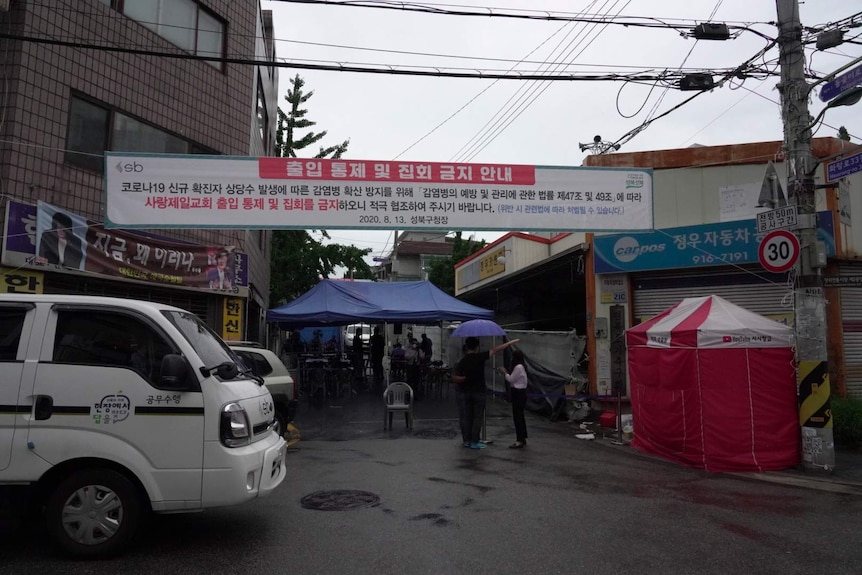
(94, 513)
(279, 424)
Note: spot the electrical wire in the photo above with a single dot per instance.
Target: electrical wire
(494, 120)
(628, 136)
(365, 68)
(473, 99)
(533, 91)
(541, 15)
(627, 21)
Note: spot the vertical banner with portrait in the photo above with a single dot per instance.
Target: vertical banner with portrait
(221, 268)
(61, 237)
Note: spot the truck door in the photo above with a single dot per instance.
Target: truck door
(13, 344)
(96, 395)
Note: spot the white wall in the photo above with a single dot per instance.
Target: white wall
(852, 235)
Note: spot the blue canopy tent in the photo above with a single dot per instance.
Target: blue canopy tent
(333, 302)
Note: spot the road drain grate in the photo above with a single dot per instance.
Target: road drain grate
(339, 500)
(435, 433)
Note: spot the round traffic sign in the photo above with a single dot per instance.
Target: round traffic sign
(778, 251)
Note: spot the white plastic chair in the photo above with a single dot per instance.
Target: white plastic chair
(398, 397)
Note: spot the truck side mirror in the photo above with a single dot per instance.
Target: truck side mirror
(175, 373)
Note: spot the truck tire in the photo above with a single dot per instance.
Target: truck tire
(94, 513)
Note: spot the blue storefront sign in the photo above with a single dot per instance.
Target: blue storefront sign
(726, 243)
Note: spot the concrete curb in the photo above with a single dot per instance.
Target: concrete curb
(820, 484)
(828, 483)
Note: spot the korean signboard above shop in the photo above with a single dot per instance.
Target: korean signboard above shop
(725, 243)
(48, 238)
(158, 191)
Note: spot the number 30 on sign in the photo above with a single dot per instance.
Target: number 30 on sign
(778, 251)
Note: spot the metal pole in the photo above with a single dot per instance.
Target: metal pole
(619, 439)
(493, 390)
(813, 389)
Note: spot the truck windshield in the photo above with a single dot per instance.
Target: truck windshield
(211, 349)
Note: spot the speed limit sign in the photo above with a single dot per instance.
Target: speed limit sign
(778, 251)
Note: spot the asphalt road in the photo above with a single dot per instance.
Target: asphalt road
(561, 505)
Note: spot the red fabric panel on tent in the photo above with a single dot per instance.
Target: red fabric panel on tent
(750, 395)
(666, 407)
(716, 409)
(776, 414)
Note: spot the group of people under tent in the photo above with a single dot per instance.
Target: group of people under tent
(407, 361)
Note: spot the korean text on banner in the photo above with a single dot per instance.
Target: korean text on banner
(160, 191)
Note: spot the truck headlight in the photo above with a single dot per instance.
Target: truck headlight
(234, 428)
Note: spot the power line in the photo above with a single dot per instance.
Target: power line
(541, 15)
(119, 17)
(537, 89)
(492, 122)
(369, 69)
(476, 96)
(628, 136)
(461, 57)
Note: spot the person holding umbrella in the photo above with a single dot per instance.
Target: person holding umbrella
(469, 377)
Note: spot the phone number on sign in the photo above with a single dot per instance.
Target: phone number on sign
(719, 258)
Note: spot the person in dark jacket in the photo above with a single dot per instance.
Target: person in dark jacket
(469, 379)
(427, 348)
(377, 345)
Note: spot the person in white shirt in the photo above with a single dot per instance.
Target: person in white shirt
(518, 380)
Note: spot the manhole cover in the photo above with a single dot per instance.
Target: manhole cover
(435, 434)
(339, 500)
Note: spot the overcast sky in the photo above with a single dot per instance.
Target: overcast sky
(389, 117)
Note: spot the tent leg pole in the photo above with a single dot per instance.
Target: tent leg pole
(485, 411)
(619, 439)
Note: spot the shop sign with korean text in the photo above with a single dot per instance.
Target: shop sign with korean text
(163, 191)
(232, 319)
(718, 244)
(16, 280)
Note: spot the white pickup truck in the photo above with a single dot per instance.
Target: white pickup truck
(111, 408)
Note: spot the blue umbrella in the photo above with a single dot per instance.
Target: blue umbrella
(478, 328)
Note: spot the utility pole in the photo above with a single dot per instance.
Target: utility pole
(813, 389)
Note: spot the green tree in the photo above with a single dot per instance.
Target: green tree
(299, 260)
(843, 134)
(286, 142)
(442, 272)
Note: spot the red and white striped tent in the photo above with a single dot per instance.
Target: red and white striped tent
(713, 386)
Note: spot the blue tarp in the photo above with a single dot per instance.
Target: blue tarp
(342, 302)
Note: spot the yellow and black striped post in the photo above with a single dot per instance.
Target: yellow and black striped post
(814, 393)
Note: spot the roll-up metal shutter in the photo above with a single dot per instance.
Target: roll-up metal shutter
(197, 303)
(851, 325)
(757, 291)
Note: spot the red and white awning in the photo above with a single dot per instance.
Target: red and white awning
(710, 322)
